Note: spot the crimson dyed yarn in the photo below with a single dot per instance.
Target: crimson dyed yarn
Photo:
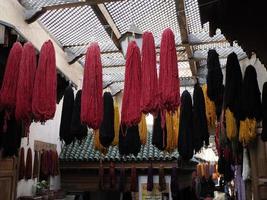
(27, 71)
(28, 170)
(169, 83)
(131, 110)
(45, 85)
(8, 91)
(149, 79)
(91, 100)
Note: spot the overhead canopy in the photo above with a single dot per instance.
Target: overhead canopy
(75, 24)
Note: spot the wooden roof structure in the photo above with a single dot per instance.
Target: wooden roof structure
(76, 23)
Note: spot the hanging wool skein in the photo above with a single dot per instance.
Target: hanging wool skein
(174, 183)
(150, 183)
(143, 129)
(250, 106)
(21, 164)
(264, 113)
(159, 137)
(185, 140)
(91, 100)
(45, 84)
(66, 116)
(134, 180)
(106, 131)
(149, 79)
(25, 85)
(8, 92)
(28, 170)
(162, 180)
(210, 110)
(200, 133)
(215, 80)
(78, 130)
(232, 95)
(169, 82)
(129, 140)
(172, 128)
(116, 124)
(131, 111)
(36, 165)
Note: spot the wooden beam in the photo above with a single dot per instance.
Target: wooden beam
(180, 12)
(108, 23)
(34, 14)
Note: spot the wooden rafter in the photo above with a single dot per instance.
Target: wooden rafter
(33, 15)
(180, 12)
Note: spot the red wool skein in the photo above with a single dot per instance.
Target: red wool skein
(91, 100)
(9, 86)
(131, 110)
(169, 83)
(45, 84)
(149, 79)
(27, 71)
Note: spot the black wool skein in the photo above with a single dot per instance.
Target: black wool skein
(66, 116)
(106, 131)
(185, 140)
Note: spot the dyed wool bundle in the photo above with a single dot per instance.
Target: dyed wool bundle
(66, 116)
(78, 130)
(129, 140)
(162, 180)
(56, 167)
(210, 110)
(21, 164)
(35, 165)
(215, 80)
(97, 143)
(12, 137)
(122, 181)
(200, 133)
(92, 101)
(233, 85)
(134, 180)
(174, 183)
(185, 140)
(112, 176)
(8, 92)
(131, 110)
(149, 79)
(159, 137)
(231, 125)
(232, 95)
(250, 106)
(150, 183)
(28, 170)
(172, 127)
(62, 84)
(44, 166)
(251, 96)
(25, 85)
(169, 82)
(143, 129)
(116, 124)
(45, 84)
(101, 176)
(264, 113)
(106, 131)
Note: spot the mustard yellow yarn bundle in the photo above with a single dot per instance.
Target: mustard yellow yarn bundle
(143, 129)
(210, 110)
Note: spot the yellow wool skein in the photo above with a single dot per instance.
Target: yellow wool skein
(247, 130)
(97, 144)
(210, 110)
(231, 129)
(143, 129)
(116, 124)
(169, 128)
(172, 126)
